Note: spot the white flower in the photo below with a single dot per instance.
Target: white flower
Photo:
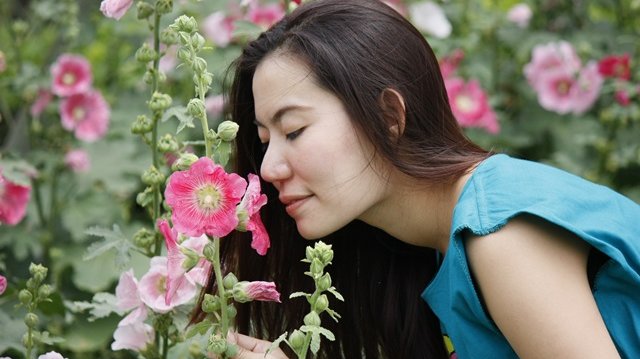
(428, 17)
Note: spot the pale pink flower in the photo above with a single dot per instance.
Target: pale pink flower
(520, 14)
(429, 17)
(218, 28)
(71, 75)
(248, 211)
(249, 291)
(214, 105)
(135, 336)
(153, 288)
(555, 90)
(449, 64)
(51, 355)
(13, 201)
(77, 160)
(470, 105)
(115, 8)
(87, 114)
(169, 60)
(397, 5)
(586, 89)
(551, 57)
(182, 258)
(3, 284)
(264, 15)
(128, 299)
(43, 99)
(203, 199)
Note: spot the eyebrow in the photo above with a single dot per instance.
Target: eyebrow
(277, 117)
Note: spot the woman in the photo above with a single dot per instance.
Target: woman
(343, 110)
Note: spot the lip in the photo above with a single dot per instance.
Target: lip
(293, 203)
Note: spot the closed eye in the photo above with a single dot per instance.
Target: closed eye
(293, 135)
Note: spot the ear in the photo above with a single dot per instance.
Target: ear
(393, 110)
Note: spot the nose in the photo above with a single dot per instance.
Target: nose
(275, 168)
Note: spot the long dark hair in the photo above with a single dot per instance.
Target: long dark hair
(356, 49)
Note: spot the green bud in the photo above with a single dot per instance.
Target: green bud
(239, 293)
(152, 177)
(144, 238)
(145, 197)
(229, 281)
(212, 135)
(209, 252)
(169, 36)
(227, 130)
(324, 252)
(184, 162)
(145, 53)
(231, 311)
(206, 78)
(243, 219)
(196, 108)
(148, 76)
(184, 55)
(167, 143)
(164, 6)
(309, 254)
(144, 10)
(217, 344)
(199, 65)
(159, 101)
(312, 319)
(296, 339)
(32, 285)
(162, 323)
(20, 27)
(141, 125)
(210, 303)
(26, 340)
(31, 320)
(25, 296)
(321, 304)
(44, 291)
(38, 272)
(195, 351)
(231, 351)
(324, 282)
(197, 41)
(185, 23)
(316, 267)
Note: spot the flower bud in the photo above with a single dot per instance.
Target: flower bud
(145, 197)
(184, 55)
(210, 303)
(243, 219)
(148, 76)
(312, 319)
(324, 252)
(161, 323)
(184, 162)
(211, 135)
(217, 344)
(316, 267)
(20, 27)
(144, 238)
(186, 23)
(141, 125)
(38, 272)
(209, 252)
(164, 6)
(227, 130)
(32, 284)
(145, 53)
(296, 340)
(249, 291)
(231, 311)
(25, 296)
(196, 108)
(199, 65)
(152, 177)
(309, 254)
(159, 101)
(321, 304)
(31, 320)
(197, 41)
(167, 143)
(324, 282)
(169, 36)
(44, 291)
(206, 78)
(229, 281)
(195, 351)
(144, 10)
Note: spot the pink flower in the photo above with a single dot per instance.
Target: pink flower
(169, 60)
(77, 160)
(51, 355)
(622, 97)
(264, 15)
(3, 284)
(449, 64)
(71, 75)
(551, 57)
(248, 211)
(13, 201)
(153, 288)
(520, 14)
(44, 98)
(115, 8)
(397, 5)
(214, 105)
(218, 28)
(615, 66)
(555, 90)
(135, 336)
(204, 198)
(249, 291)
(587, 88)
(470, 105)
(86, 114)
(128, 299)
(183, 258)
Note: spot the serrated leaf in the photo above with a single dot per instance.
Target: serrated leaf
(112, 238)
(17, 171)
(44, 338)
(276, 343)
(200, 328)
(222, 152)
(315, 342)
(181, 114)
(101, 306)
(335, 293)
(299, 294)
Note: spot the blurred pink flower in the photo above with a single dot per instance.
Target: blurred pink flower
(397, 5)
(449, 64)
(586, 89)
(204, 198)
(128, 299)
(551, 57)
(51, 355)
(555, 90)
(13, 201)
(264, 15)
(3, 284)
(429, 17)
(153, 288)
(78, 160)
(87, 114)
(169, 60)
(115, 8)
(520, 14)
(470, 105)
(44, 98)
(622, 97)
(71, 75)
(615, 66)
(249, 291)
(135, 336)
(214, 105)
(249, 213)
(218, 28)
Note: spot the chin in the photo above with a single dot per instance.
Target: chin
(311, 233)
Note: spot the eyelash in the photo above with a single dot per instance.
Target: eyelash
(293, 135)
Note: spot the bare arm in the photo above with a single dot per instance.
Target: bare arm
(533, 278)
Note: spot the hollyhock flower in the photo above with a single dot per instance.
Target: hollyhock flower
(470, 105)
(615, 66)
(51, 355)
(128, 299)
(398, 6)
(153, 288)
(3, 284)
(115, 8)
(549, 58)
(264, 15)
(622, 97)
(214, 105)
(248, 213)
(520, 14)
(77, 160)
(43, 99)
(87, 114)
(586, 88)
(555, 91)
(13, 201)
(169, 60)
(218, 28)
(429, 17)
(248, 291)
(203, 199)
(183, 258)
(71, 75)
(449, 64)
(135, 336)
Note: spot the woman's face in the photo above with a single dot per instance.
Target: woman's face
(323, 171)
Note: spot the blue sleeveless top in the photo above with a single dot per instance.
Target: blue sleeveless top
(501, 188)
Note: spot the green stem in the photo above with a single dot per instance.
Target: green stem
(38, 200)
(157, 196)
(165, 345)
(29, 343)
(224, 319)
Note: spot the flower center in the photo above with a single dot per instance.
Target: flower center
(208, 197)
(78, 113)
(68, 78)
(162, 285)
(465, 103)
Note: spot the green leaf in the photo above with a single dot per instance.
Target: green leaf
(111, 239)
(327, 333)
(12, 331)
(335, 293)
(276, 343)
(299, 294)
(200, 328)
(84, 337)
(315, 342)
(44, 338)
(101, 306)
(222, 152)
(17, 171)
(181, 114)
